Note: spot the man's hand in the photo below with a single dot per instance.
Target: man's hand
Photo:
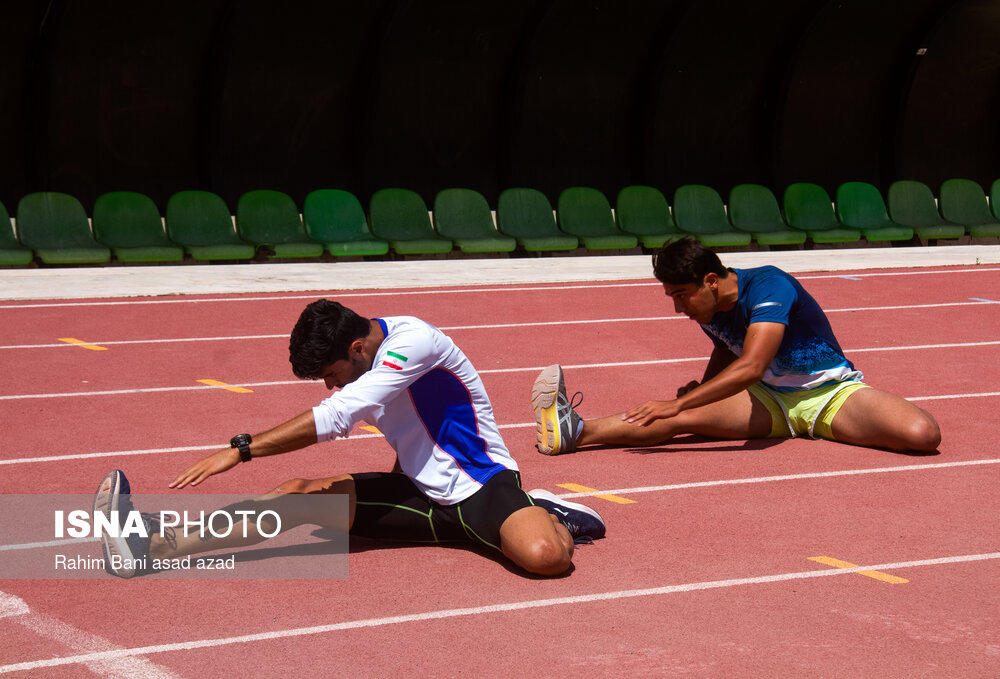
(201, 470)
(687, 387)
(650, 411)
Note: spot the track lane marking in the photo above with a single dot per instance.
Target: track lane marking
(489, 609)
(783, 477)
(490, 371)
(13, 609)
(577, 488)
(72, 341)
(443, 289)
(226, 386)
(876, 575)
(496, 326)
(577, 491)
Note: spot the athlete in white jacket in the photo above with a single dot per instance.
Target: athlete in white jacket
(454, 479)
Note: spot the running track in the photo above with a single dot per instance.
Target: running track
(709, 565)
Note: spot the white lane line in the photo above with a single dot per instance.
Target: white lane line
(783, 477)
(650, 489)
(46, 544)
(183, 449)
(339, 295)
(116, 661)
(444, 290)
(171, 340)
(949, 397)
(219, 446)
(492, 609)
(488, 371)
(491, 326)
(154, 390)
(285, 335)
(881, 274)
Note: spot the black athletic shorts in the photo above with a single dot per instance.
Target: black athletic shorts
(390, 506)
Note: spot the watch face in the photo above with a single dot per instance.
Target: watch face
(242, 443)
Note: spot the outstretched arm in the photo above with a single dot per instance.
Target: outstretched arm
(759, 348)
(298, 432)
(717, 362)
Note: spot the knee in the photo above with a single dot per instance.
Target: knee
(546, 557)
(923, 434)
(292, 486)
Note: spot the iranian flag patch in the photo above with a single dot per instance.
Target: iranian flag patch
(394, 360)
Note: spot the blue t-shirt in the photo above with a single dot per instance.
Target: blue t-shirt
(809, 355)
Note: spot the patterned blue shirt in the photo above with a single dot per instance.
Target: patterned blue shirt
(809, 355)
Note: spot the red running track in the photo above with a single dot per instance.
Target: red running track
(706, 570)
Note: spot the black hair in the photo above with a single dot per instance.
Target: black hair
(686, 261)
(322, 335)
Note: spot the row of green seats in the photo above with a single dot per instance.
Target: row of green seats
(808, 213)
(127, 225)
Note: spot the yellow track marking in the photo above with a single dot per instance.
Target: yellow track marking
(877, 575)
(577, 488)
(81, 343)
(216, 383)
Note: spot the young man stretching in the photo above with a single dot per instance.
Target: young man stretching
(454, 477)
(776, 370)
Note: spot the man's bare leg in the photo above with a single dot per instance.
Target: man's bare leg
(291, 514)
(740, 416)
(870, 417)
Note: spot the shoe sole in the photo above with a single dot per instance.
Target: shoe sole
(106, 501)
(544, 393)
(542, 494)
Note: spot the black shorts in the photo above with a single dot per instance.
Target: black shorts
(390, 506)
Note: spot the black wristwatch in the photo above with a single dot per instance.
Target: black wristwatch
(242, 443)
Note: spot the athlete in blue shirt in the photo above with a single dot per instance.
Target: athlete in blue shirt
(776, 370)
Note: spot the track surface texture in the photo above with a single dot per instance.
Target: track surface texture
(787, 558)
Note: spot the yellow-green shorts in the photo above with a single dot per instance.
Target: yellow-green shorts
(804, 413)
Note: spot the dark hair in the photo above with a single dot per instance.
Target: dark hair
(322, 335)
(686, 261)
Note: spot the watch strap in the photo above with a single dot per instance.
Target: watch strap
(242, 443)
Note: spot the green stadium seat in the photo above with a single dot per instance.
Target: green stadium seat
(56, 227)
(400, 216)
(912, 204)
(808, 208)
(753, 209)
(585, 213)
(200, 221)
(463, 215)
(995, 198)
(643, 212)
(963, 202)
(860, 206)
(12, 253)
(336, 219)
(129, 223)
(270, 220)
(699, 213)
(526, 215)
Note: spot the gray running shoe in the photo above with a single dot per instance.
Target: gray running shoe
(126, 556)
(582, 522)
(557, 421)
